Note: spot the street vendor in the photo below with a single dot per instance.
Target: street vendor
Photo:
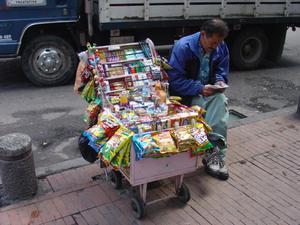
(199, 74)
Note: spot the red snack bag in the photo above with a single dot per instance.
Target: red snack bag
(109, 123)
(110, 127)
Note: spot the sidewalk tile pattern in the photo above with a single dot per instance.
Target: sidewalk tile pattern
(263, 188)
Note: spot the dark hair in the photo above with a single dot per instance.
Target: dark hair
(215, 26)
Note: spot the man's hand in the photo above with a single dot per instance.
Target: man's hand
(208, 91)
(221, 84)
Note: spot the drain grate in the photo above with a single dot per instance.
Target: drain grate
(235, 115)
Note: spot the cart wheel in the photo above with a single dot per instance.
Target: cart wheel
(184, 194)
(116, 179)
(138, 207)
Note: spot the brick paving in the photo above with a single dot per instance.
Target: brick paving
(263, 188)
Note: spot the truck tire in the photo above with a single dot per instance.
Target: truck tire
(249, 48)
(49, 61)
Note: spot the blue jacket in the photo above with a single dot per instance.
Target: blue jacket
(185, 63)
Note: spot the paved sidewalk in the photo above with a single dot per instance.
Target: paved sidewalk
(263, 188)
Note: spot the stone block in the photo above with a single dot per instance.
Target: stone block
(17, 168)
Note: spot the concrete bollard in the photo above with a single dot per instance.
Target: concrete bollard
(17, 169)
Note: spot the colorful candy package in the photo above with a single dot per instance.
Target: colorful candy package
(109, 123)
(95, 133)
(183, 138)
(200, 118)
(126, 157)
(88, 92)
(96, 137)
(198, 132)
(145, 146)
(165, 142)
(115, 144)
(91, 114)
(119, 161)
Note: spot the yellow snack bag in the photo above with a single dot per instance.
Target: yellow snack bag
(165, 142)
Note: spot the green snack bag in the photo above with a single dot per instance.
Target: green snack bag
(126, 157)
(115, 144)
(118, 159)
(88, 92)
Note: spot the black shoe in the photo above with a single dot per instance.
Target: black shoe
(214, 165)
(217, 170)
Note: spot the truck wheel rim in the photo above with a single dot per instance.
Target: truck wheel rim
(251, 49)
(49, 61)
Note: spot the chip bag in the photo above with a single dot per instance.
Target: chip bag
(115, 144)
(199, 134)
(126, 157)
(165, 142)
(183, 138)
(96, 136)
(94, 133)
(145, 146)
(118, 161)
(109, 123)
(88, 92)
(91, 114)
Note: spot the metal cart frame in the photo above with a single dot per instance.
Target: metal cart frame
(147, 170)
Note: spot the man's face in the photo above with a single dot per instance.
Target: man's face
(210, 43)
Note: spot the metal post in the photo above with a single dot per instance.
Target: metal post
(17, 169)
(298, 109)
(257, 8)
(147, 10)
(287, 9)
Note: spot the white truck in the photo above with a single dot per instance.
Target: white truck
(48, 33)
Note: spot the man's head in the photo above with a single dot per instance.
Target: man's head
(213, 32)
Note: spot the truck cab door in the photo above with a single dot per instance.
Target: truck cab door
(17, 17)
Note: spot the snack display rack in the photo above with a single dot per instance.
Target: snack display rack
(131, 85)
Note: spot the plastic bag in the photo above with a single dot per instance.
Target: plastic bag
(91, 114)
(88, 92)
(87, 152)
